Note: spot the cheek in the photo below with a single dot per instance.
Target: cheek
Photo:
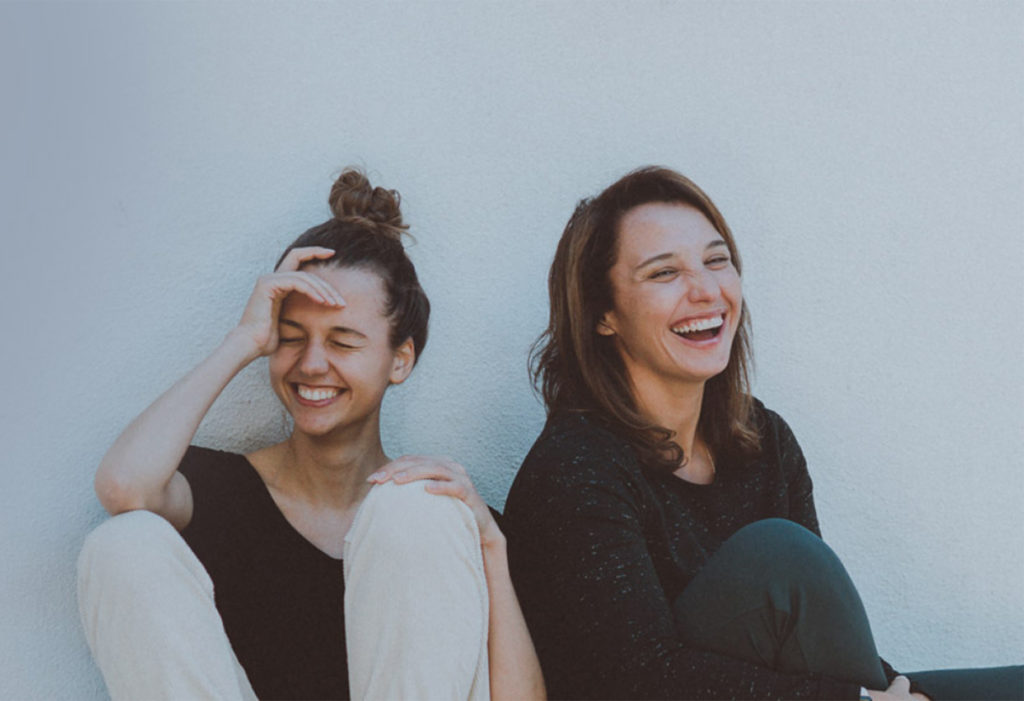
(277, 365)
(369, 367)
(641, 302)
(732, 289)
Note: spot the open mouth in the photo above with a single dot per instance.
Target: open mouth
(701, 329)
(315, 396)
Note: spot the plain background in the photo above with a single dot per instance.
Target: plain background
(156, 158)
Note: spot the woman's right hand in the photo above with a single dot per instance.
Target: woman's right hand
(444, 476)
(258, 325)
(899, 690)
(140, 469)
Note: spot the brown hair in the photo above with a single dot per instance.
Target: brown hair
(366, 232)
(577, 369)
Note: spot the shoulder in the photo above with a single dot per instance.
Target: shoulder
(770, 425)
(577, 441)
(226, 491)
(208, 468)
(778, 442)
(575, 456)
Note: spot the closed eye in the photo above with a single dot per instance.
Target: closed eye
(718, 261)
(289, 340)
(343, 346)
(663, 274)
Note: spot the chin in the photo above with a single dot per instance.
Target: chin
(314, 427)
(701, 372)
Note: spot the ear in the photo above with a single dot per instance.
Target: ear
(606, 324)
(405, 358)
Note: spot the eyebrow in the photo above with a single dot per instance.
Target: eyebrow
(663, 256)
(334, 329)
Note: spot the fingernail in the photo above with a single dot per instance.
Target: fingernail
(375, 477)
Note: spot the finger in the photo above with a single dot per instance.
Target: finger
(900, 685)
(297, 256)
(452, 489)
(327, 288)
(423, 471)
(464, 493)
(454, 466)
(301, 282)
(277, 286)
(331, 295)
(284, 284)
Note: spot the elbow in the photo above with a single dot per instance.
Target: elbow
(116, 494)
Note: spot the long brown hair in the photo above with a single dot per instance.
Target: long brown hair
(577, 369)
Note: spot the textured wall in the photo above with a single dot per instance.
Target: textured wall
(155, 158)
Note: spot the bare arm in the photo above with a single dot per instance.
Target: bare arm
(140, 469)
(515, 669)
(515, 672)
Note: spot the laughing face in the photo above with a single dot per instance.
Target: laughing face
(333, 365)
(677, 296)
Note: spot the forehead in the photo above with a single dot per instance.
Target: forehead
(361, 282)
(663, 227)
(363, 291)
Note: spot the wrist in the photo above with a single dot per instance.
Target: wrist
(493, 541)
(240, 345)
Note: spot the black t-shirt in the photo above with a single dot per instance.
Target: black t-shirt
(600, 546)
(281, 598)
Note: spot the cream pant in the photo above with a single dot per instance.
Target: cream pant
(415, 606)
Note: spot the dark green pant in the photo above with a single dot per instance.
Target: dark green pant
(775, 594)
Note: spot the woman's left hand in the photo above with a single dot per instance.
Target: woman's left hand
(443, 476)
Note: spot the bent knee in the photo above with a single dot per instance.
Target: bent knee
(127, 538)
(413, 504)
(771, 530)
(783, 545)
(407, 516)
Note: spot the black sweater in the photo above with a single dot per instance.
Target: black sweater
(599, 547)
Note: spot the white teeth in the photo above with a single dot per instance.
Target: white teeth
(316, 395)
(700, 325)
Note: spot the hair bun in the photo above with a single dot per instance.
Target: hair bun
(353, 198)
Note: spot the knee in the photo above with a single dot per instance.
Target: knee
(777, 536)
(404, 519)
(402, 508)
(784, 550)
(123, 542)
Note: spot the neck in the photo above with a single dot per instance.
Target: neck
(330, 469)
(675, 406)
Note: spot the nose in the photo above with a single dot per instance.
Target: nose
(314, 360)
(702, 287)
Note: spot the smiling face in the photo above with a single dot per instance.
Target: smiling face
(676, 294)
(333, 365)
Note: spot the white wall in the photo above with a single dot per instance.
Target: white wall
(157, 157)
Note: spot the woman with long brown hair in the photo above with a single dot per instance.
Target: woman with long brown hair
(663, 535)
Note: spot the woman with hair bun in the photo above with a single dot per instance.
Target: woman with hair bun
(316, 568)
(663, 537)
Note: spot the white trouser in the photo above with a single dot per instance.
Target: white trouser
(415, 606)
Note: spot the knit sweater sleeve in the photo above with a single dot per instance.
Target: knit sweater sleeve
(591, 594)
(799, 487)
